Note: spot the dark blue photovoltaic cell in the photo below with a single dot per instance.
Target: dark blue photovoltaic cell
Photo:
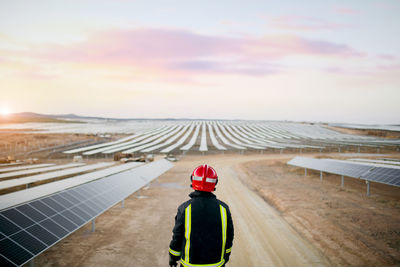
(28, 241)
(87, 209)
(42, 234)
(14, 252)
(80, 213)
(31, 212)
(51, 226)
(67, 224)
(62, 201)
(18, 218)
(53, 204)
(69, 197)
(7, 227)
(43, 208)
(73, 217)
(4, 262)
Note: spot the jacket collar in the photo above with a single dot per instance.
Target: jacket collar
(201, 194)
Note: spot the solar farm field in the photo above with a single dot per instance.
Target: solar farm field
(227, 136)
(300, 194)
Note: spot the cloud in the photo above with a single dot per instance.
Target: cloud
(346, 11)
(387, 57)
(301, 23)
(171, 50)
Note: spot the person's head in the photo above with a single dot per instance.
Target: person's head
(204, 178)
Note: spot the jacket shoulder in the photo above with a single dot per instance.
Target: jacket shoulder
(184, 205)
(223, 204)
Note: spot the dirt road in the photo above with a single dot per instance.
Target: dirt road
(139, 233)
(262, 237)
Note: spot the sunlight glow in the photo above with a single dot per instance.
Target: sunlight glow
(4, 111)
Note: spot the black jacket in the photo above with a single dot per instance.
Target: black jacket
(202, 224)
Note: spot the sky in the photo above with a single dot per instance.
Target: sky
(319, 61)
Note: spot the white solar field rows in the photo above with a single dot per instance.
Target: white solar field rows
(51, 175)
(205, 136)
(38, 170)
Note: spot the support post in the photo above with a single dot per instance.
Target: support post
(359, 148)
(368, 192)
(320, 175)
(305, 172)
(123, 203)
(342, 183)
(339, 149)
(93, 224)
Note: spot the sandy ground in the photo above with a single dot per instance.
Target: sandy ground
(346, 225)
(139, 233)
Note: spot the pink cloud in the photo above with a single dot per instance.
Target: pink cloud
(387, 57)
(173, 50)
(300, 23)
(346, 11)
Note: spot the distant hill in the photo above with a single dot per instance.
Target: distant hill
(67, 118)
(24, 117)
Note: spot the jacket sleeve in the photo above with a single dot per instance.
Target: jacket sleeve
(229, 234)
(175, 246)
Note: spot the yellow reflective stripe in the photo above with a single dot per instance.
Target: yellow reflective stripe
(218, 264)
(173, 252)
(229, 250)
(188, 225)
(223, 223)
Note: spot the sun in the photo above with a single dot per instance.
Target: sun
(4, 111)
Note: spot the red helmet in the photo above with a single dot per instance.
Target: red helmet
(204, 178)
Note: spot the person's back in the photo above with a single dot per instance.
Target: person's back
(203, 231)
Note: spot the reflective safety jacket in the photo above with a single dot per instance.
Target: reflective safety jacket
(203, 231)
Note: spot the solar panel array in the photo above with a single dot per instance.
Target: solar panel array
(367, 171)
(30, 228)
(241, 135)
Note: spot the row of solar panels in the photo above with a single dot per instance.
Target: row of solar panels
(33, 221)
(379, 173)
(223, 136)
(47, 174)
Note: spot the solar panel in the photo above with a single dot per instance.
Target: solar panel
(25, 167)
(213, 138)
(371, 172)
(331, 166)
(384, 175)
(15, 198)
(38, 170)
(52, 175)
(180, 141)
(192, 140)
(30, 228)
(203, 140)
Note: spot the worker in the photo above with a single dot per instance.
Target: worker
(203, 231)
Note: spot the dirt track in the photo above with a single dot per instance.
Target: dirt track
(262, 237)
(139, 234)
